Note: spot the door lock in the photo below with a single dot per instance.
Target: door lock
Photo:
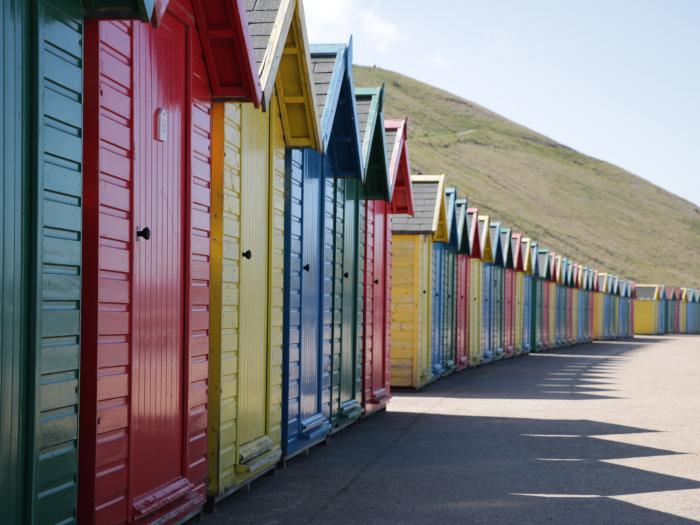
(376, 281)
(346, 275)
(307, 267)
(145, 233)
(247, 254)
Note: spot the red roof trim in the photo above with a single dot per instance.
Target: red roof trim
(401, 197)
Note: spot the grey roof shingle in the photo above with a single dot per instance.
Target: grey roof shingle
(322, 72)
(363, 104)
(390, 139)
(425, 195)
(261, 19)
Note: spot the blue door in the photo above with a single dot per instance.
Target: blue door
(306, 418)
(437, 328)
(526, 314)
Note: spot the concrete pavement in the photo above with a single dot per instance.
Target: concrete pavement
(600, 433)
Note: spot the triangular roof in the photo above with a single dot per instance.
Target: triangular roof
(474, 232)
(227, 45)
(429, 212)
(516, 248)
(528, 266)
(603, 282)
(559, 267)
(534, 258)
(462, 231)
(400, 193)
(451, 208)
(370, 115)
(496, 245)
(648, 291)
(331, 66)
(507, 248)
(487, 247)
(281, 53)
(543, 264)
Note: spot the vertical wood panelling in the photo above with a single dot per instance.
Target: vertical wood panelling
(254, 274)
(58, 200)
(405, 309)
(13, 277)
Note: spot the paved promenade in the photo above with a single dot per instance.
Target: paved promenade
(605, 433)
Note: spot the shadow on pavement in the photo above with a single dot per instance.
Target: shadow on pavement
(422, 468)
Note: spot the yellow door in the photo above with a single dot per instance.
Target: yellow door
(475, 311)
(425, 307)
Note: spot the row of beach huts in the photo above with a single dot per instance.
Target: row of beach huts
(214, 255)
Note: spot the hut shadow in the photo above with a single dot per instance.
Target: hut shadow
(422, 468)
(584, 372)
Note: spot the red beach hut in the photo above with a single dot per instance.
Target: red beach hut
(145, 335)
(396, 197)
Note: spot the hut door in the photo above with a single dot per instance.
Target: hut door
(438, 308)
(349, 297)
(159, 273)
(379, 300)
(254, 265)
(310, 355)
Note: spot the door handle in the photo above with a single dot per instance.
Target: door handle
(307, 267)
(144, 232)
(376, 281)
(247, 254)
(346, 275)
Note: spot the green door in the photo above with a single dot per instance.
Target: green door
(13, 356)
(41, 140)
(346, 375)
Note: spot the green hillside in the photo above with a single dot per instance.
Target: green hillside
(587, 209)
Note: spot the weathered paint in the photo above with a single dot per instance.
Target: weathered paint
(475, 301)
(462, 287)
(146, 303)
(41, 89)
(486, 285)
(386, 159)
(412, 278)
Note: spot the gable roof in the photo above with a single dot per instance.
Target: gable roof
(526, 251)
(400, 193)
(429, 213)
(474, 234)
(496, 244)
(516, 248)
(462, 230)
(485, 237)
(534, 258)
(281, 51)
(545, 269)
(507, 248)
(224, 31)
(370, 121)
(451, 208)
(331, 66)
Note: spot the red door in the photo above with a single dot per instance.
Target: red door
(159, 261)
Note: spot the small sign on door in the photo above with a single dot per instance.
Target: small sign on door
(162, 125)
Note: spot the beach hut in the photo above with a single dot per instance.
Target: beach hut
(247, 260)
(41, 174)
(411, 290)
(527, 294)
(497, 289)
(552, 284)
(646, 309)
(343, 175)
(599, 306)
(475, 288)
(449, 282)
(683, 311)
(689, 312)
(384, 148)
(560, 281)
(571, 307)
(462, 298)
(662, 310)
(320, 316)
(488, 247)
(516, 247)
(543, 292)
(508, 321)
(536, 307)
(146, 253)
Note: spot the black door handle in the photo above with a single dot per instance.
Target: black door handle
(307, 267)
(247, 254)
(144, 232)
(346, 275)
(376, 281)
(424, 291)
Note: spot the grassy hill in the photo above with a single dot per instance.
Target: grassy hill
(587, 209)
